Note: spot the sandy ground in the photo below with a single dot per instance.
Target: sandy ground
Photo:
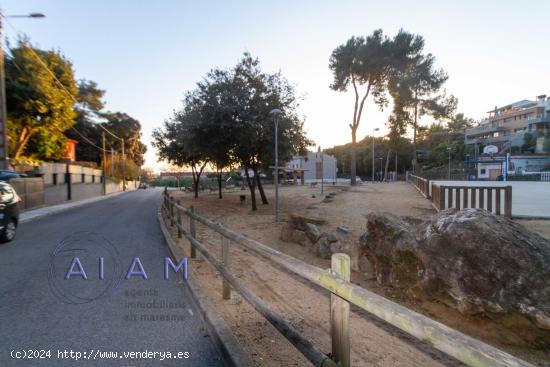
(306, 307)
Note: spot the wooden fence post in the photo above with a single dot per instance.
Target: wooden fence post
(171, 205)
(339, 314)
(193, 232)
(178, 212)
(226, 287)
(508, 201)
(441, 198)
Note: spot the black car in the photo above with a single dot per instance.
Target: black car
(6, 175)
(9, 212)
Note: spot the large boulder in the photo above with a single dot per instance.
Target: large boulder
(471, 260)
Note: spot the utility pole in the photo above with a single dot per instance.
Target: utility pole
(123, 167)
(112, 162)
(104, 163)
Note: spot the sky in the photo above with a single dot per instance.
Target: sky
(146, 54)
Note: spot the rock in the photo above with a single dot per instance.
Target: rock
(331, 243)
(299, 221)
(290, 234)
(343, 229)
(471, 260)
(312, 232)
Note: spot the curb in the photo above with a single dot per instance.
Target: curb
(58, 208)
(229, 347)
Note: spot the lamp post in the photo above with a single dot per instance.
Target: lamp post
(449, 150)
(4, 161)
(275, 114)
(322, 171)
(381, 167)
(373, 130)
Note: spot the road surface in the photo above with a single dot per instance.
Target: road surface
(76, 321)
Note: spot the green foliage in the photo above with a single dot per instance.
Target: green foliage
(529, 143)
(415, 87)
(226, 120)
(374, 62)
(39, 108)
(546, 145)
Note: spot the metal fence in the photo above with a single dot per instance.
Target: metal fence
(468, 350)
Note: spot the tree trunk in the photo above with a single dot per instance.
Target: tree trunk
(387, 166)
(22, 140)
(220, 184)
(252, 187)
(260, 187)
(353, 163)
(415, 127)
(195, 182)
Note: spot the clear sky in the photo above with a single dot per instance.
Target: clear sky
(146, 54)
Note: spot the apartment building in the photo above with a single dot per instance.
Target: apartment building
(506, 126)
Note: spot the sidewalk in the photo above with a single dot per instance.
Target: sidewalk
(33, 214)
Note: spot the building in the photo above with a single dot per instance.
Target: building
(70, 150)
(492, 166)
(312, 167)
(506, 126)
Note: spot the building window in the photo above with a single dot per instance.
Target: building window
(482, 171)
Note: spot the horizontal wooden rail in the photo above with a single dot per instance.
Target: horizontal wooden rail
(315, 356)
(496, 199)
(466, 349)
(422, 184)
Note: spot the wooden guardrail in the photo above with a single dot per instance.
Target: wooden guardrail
(468, 350)
(496, 199)
(422, 184)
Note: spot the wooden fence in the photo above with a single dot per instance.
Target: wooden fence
(496, 199)
(422, 184)
(468, 350)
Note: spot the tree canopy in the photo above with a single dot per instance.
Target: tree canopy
(226, 121)
(40, 92)
(370, 62)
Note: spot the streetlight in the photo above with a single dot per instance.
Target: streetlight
(449, 150)
(4, 161)
(373, 130)
(322, 171)
(275, 114)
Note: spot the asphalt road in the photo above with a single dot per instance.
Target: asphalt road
(42, 311)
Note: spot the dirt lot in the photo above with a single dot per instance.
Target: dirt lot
(306, 307)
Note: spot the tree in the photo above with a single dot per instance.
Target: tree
(254, 94)
(370, 62)
(226, 121)
(88, 115)
(129, 129)
(40, 92)
(417, 86)
(529, 142)
(546, 144)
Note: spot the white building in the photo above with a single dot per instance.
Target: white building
(314, 166)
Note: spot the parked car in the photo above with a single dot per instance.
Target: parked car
(6, 175)
(9, 212)
(142, 185)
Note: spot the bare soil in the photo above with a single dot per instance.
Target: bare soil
(306, 307)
